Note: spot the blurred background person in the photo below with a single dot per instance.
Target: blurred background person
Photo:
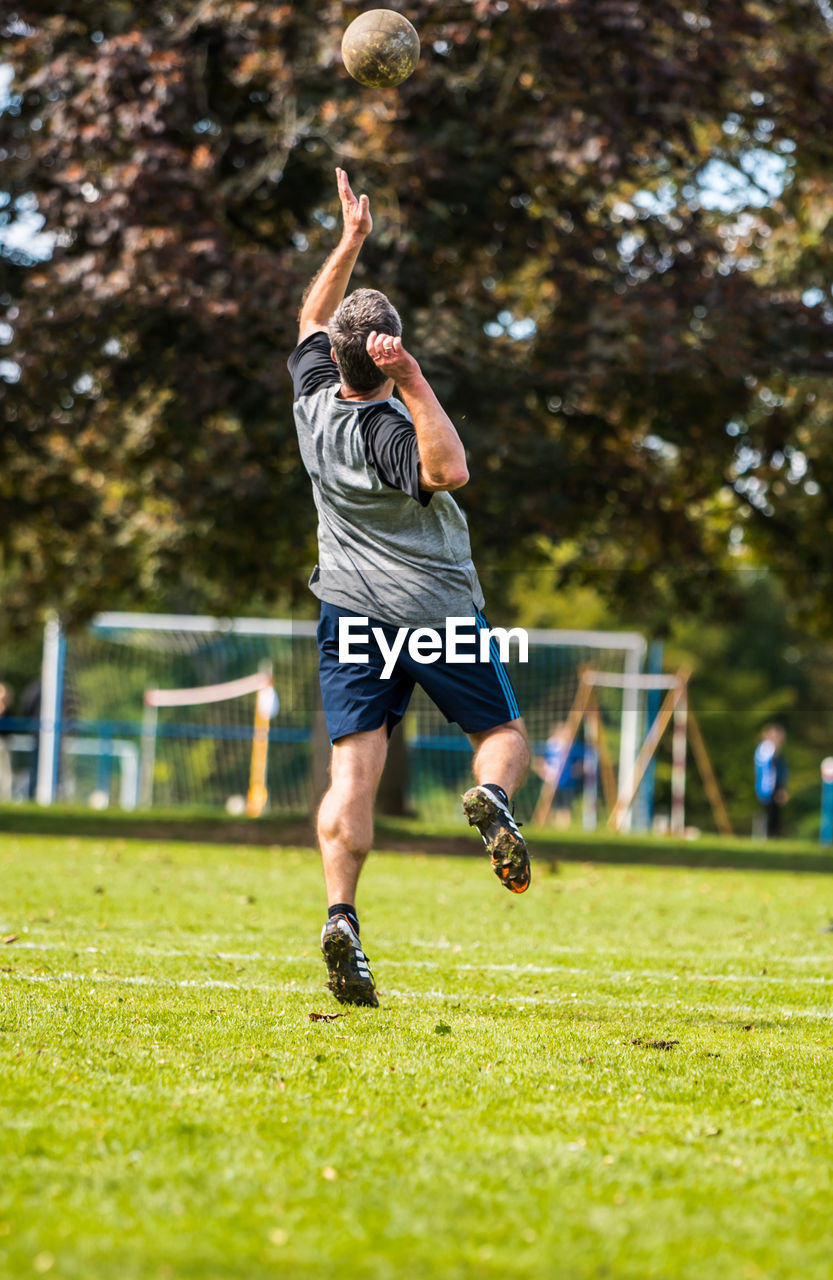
(561, 766)
(6, 700)
(771, 777)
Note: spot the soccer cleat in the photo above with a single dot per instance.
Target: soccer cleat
(505, 844)
(350, 979)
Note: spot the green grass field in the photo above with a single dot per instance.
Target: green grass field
(628, 1072)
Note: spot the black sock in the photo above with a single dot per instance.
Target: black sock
(497, 791)
(344, 909)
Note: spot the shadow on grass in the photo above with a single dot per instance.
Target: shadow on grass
(410, 835)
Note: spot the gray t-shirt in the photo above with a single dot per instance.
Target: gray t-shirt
(386, 548)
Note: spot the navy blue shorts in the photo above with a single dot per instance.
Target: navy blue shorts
(477, 696)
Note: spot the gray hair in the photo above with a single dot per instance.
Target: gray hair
(357, 317)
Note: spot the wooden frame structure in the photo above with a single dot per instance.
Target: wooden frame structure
(686, 730)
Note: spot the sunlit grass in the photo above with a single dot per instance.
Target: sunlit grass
(627, 1072)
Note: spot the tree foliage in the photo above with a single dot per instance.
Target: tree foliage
(635, 365)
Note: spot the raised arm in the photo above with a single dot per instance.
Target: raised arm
(442, 457)
(330, 285)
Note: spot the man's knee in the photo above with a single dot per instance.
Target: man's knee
(511, 736)
(346, 819)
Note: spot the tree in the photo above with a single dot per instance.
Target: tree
(631, 366)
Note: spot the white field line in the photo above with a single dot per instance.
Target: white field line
(761, 956)
(534, 970)
(141, 980)
(675, 1007)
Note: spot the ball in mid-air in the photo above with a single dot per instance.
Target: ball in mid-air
(380, 48)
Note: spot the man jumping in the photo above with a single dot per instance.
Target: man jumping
(394, 552)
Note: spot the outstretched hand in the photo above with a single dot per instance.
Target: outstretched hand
(355, 212)
(390, 357)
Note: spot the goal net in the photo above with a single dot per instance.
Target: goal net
(231, 693)
(202, 748)
(439, 754)
(180, 693)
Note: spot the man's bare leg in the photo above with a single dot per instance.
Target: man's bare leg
(501, 755)
(501, 761)
(345, 834)
(345, 816)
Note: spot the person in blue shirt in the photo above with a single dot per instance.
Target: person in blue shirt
(771, 775)
(563, 768)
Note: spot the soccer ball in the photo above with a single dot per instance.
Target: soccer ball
(380, 48)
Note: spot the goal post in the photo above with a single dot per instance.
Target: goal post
(675, 711)
(202, 696)
(200, 752)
